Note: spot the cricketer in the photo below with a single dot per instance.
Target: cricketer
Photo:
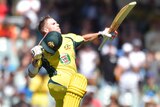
(56, 53)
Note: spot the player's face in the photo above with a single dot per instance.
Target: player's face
(52, 25)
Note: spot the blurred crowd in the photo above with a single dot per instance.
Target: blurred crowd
(125, 73)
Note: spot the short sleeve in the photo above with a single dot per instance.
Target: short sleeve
(77, 39)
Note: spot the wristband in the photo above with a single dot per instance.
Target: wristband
(33, 70)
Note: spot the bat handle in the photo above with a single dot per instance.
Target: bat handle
(103, 42)
(42, 39)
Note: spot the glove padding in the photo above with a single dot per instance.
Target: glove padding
(105, 33)
(37, 52)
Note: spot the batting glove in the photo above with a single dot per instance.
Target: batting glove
(105, 33)
(37, 52)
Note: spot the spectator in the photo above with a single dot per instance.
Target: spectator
(150, 91)
(89, 67)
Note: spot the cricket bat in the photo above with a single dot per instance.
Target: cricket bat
(122, 14)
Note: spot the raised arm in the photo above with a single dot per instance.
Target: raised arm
(92, 36)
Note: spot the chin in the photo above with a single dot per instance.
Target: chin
(59, 31)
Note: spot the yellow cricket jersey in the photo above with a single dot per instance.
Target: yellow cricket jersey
(64, 58)
(63, 61)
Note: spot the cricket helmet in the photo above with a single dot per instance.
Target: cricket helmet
(52, 42)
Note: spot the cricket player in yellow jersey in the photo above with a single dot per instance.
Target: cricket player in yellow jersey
(56, 53)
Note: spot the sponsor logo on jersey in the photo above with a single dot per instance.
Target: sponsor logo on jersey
(65, 58)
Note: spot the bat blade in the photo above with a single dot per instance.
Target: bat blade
(122, 14)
